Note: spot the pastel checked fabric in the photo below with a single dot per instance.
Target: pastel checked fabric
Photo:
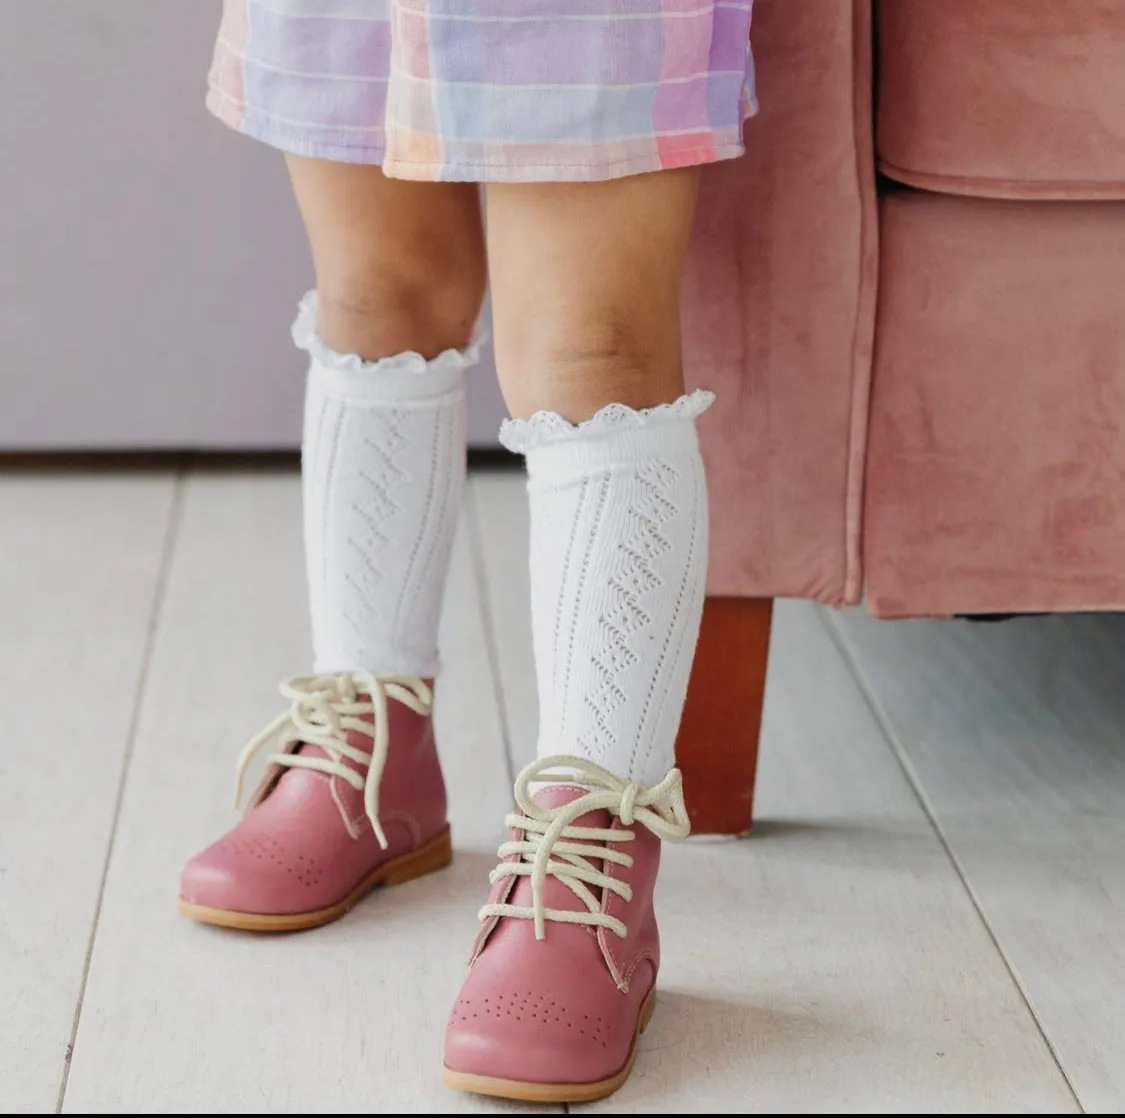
(489, 90)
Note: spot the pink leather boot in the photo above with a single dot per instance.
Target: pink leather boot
(355, 799)
(562, 979)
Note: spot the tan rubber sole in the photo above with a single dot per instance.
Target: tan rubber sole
(522, 1091)
(435, 855)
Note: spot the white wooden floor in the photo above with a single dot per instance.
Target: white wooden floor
(930, 916)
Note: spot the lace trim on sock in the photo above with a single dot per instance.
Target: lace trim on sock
(522, 435)
(306, 337)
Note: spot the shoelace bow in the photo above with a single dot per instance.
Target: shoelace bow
(323, 708)
(552, 845)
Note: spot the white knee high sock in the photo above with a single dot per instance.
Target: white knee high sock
(383, 463)
(618, 566)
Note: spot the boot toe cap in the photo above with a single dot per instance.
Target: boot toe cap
(538, 1037)
(252, 874)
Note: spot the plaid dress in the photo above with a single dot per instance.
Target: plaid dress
(489, 90)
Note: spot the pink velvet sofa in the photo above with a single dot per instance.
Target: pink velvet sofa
(910, 297)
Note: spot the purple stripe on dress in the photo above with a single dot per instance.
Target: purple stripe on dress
(575, 52)
(730, 39)
(724, 98)
(317, 46)
(601, 10)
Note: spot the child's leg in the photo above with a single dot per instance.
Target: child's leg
(399, 267)
(360, 799)
(586, 290)
(586, 285)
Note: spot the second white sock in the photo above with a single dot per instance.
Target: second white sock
(618, 572)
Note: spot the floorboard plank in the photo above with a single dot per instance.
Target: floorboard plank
(500, 508)
(80, 561)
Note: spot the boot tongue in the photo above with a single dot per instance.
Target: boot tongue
(353, 737)
(559, 795)
(555, 893)
(294, 781)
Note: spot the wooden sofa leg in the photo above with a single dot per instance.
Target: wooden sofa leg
(717, 749)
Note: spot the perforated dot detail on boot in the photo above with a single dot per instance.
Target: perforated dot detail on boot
(533, 1011)
(265, 848)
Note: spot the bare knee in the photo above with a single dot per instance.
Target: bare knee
(577, 364)
(611, 349)
(399, 265)
(380, 303)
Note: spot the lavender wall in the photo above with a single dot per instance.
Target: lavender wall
(150, 260)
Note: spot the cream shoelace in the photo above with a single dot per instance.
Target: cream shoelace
(323, 708)
(552, 845)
